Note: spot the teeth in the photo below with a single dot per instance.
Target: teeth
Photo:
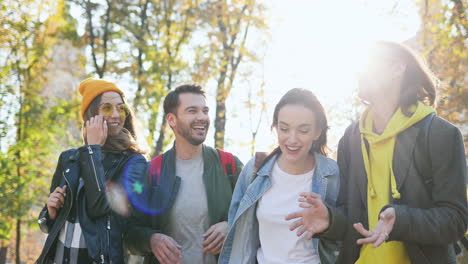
(293, 149)
(113, 124)
(199, 127)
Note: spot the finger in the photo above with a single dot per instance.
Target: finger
(216, 249)
(88, 123)
(95, 122)
(367, 240)
(91, 121)
(101, 122)
(309, 236)
(209, 231)
(104, 126)
(310, 195)
(57, 189)
(301, 231)
(174, 249)
(305, 205)
(162, 258)
(54, 199)
(295, 224)
(380, 239)
(317, 202)
(305, 200)
(360, 228)
(64, 189)
(215, 244)
(58, 192)
(294, 215)
(210, 239)
(172, 253)
(59, 198)
(173, 242)
(53, 204)
(387, 214)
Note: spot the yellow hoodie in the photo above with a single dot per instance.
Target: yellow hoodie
(380, 177)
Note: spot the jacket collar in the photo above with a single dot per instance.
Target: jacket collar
(323, 167)
(75, 155)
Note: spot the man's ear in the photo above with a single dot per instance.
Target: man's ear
(171, 119)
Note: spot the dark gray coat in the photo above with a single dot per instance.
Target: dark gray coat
(430, 215)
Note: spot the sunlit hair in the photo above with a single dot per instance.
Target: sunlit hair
(127, 138)
(306, 98)
(418, 82)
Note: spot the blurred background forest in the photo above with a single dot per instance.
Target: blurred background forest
(246, 53)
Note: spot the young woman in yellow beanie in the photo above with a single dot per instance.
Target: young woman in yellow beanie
(86, 211)
(402, 197)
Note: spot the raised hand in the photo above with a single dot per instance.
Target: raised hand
(96, 130)
(380, 233)
(313, 218)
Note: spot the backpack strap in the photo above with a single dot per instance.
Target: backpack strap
(427, 168)
(155, 169)
(259, 159)
(227, 162)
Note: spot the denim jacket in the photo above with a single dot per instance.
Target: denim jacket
(242, 240)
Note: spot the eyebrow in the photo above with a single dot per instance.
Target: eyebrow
(301, 125)
(111, 103)
(196, 107)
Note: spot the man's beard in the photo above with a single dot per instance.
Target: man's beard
(185, 132)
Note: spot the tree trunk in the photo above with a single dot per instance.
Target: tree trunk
(160, 142)
(18, 241)
(3, 252)
(220, 120)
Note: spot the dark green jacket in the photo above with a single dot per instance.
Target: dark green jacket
(219, 188)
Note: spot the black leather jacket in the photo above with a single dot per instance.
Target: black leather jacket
(102, 227)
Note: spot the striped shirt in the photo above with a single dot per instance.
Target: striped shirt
(71, 245)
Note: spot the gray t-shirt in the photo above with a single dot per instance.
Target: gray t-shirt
(188, 217)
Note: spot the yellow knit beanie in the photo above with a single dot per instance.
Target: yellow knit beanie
(91, 88)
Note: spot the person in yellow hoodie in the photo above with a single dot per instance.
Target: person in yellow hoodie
(403, 190)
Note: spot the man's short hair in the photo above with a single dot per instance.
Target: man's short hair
(171, 102)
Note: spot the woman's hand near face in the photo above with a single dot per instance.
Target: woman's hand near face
(313, 218)
(96, 130)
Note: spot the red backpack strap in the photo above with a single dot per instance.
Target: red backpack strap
(227, 162)
(155, 169)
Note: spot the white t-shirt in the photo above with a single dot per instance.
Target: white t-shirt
(279, 245)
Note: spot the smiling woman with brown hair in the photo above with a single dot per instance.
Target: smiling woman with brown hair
(87, 207)
(267, 192)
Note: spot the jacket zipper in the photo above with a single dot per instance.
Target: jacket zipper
(71, 192)
(94, 167)
(108, 237)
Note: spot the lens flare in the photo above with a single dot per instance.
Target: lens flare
(149, 197)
